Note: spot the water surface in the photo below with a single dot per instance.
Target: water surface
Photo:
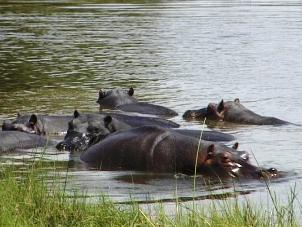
(56, 55)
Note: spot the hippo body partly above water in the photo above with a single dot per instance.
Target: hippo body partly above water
(39, 124)
(156, 149)
(124, 100)
(14, 140)
(231, 111)
(207, 135)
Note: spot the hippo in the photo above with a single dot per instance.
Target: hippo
(11, 141)
(110, 124)
(86, 129)
(124, 100)
(38, 124)
(156, 149)
(231, 111)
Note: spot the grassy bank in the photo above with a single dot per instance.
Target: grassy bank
(26, 201)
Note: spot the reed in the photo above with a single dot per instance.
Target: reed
(32, 199)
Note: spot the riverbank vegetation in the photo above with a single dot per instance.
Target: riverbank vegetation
(32, 199)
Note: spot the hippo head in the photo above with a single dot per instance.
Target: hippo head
(33, 125)
(212, 112)
(114, 125)
(115, 97)
(229, 162)
(82, 133)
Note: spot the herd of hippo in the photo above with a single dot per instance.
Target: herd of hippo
(127, 137)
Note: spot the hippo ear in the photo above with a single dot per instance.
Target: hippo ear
(107, 120)
(18, 114)
(101, 94)
(220, 106)
(235, 146)
(33, 119)
(76, 114)
(237, 100)
(131, 91)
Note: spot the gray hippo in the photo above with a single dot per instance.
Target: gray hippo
(156, 149)
(14, 140)
(231, 111)
(84, 131)
(38, 124)
(124, 100)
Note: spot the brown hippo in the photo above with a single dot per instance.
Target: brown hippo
(124, 100)
(155, 149)
(231, 111)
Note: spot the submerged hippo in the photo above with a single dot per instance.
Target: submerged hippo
(86, 129)
(13, 140)
(155, 149)
(38, 124)
(231, 111)
(124, 100)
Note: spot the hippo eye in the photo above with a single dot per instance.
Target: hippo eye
(272, 170)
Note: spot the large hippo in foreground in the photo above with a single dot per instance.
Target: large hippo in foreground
(124, 100)
(84, 131)
(11, 141)
(155, 149)
(231, 111)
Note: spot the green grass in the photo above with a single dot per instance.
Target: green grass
(30, 200)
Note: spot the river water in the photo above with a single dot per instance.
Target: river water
(56, 55)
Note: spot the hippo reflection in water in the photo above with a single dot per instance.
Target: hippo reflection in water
(124, 100)
(155, 149)
(84, 131)
(231, 111)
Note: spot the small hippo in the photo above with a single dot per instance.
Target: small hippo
(231, 111)
(124, 100)
(11, 141)
(156, 149)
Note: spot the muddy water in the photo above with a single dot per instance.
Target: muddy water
(55, 55)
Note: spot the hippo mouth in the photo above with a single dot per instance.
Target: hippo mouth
(77, 143)
(245, 169)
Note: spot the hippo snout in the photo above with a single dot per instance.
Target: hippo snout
(268, 173)
(195, 114)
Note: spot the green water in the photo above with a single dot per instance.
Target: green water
(56, 55)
